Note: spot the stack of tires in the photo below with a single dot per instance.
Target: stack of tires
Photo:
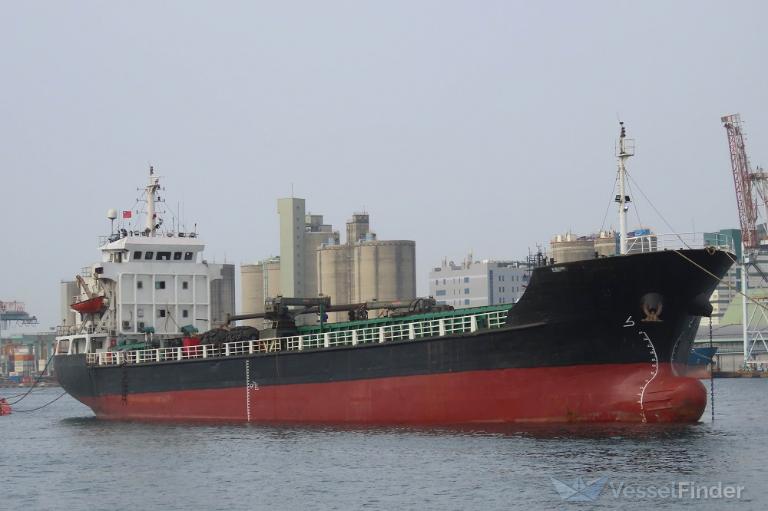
(220, 336)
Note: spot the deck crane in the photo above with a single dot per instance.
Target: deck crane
(751, 197)
(84, 285)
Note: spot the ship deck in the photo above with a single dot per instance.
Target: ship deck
(373, 331)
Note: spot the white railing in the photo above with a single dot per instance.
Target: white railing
(375, 334)
(676, 241)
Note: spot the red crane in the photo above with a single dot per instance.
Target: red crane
(742, 179)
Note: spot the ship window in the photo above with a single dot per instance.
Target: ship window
(137, 255)
(139, 284)
(188, 256)
(160, 313)
(185, 285)
(141, 326)
(163, 256)
(177, 256)
(149, 255)
(160, 284)
(185, 313)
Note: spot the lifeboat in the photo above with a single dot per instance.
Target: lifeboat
(90, 306)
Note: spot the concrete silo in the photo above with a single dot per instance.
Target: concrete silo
(569, 248)
(605, 244)
(69, 289)
(334, 270)
(272, 278)
(384, 270)
(252, 291)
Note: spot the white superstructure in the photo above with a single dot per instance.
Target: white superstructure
(150, 284)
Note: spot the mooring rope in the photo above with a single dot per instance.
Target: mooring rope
(678, 252)
(42, 406)
(37, 380)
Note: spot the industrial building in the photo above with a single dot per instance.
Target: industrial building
(22, 356)
(568, 247)
(477, 283)
(25, 356)
(365, 269)
(258, 281)
(729, 286)
(314, 262)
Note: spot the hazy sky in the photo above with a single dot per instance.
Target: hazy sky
(476, 125)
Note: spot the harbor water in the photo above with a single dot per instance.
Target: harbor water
(61, 457)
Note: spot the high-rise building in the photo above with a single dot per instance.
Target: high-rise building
(292, 228)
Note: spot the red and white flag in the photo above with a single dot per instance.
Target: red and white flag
(126, 214)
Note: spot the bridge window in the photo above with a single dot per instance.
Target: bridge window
(163, 256)
(137, 255)
(188, 256)
(177, 256)
(149, 255)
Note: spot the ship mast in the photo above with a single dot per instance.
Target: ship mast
(151, 189)
(625, 149)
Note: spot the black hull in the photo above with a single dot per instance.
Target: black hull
(635, 311)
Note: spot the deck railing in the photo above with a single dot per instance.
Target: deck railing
(653, 242)
(369, 335)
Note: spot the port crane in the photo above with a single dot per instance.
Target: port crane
(14, 312)
(752, 203)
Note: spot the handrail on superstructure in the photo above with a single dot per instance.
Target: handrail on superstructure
(366, 335)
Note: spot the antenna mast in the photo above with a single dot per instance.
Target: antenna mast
(151, 189)
(625, 149)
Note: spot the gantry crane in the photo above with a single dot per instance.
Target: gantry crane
(752, 202)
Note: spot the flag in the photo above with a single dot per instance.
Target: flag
(126, 214)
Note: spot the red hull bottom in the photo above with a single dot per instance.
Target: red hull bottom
(590, 393)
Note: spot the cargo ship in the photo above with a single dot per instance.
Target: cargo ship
(598, 340)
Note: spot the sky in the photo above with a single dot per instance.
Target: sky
(476, 126)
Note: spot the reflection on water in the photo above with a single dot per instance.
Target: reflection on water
(62, 457)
